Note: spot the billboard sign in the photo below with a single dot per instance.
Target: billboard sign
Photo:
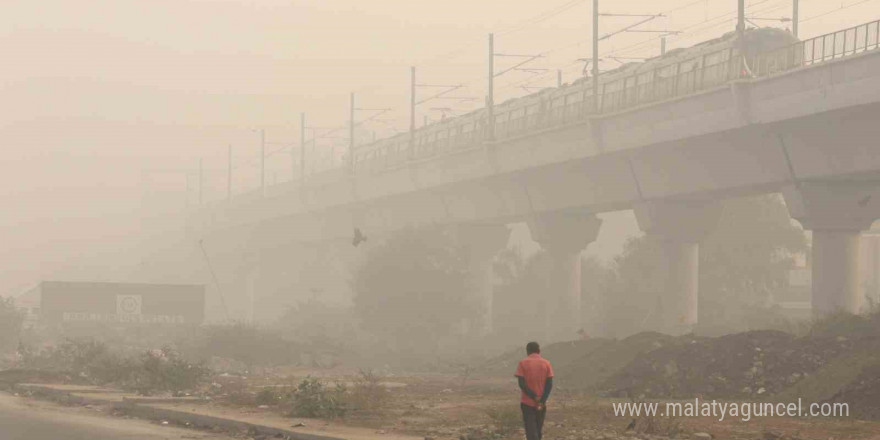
(121, 303)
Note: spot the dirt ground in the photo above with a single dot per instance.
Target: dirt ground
(476, 408)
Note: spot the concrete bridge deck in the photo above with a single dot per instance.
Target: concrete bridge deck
(808, 129)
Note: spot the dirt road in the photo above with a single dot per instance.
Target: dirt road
(26, 419)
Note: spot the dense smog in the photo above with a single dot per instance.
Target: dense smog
(459, 220)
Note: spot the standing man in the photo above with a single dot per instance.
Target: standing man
(535, 376)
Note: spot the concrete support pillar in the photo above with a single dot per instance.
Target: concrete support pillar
(483, 242)
(872, 282)
(835, 271)
(564, 235)
(678, 228)
(837, 213)
(243, 308)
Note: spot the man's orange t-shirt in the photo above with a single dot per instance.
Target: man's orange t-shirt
(535, 370)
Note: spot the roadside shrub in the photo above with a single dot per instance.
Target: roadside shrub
(87, 359)
(312, 398)
(166, 370)
(93, 362)
(368, 393)
(269, 396)
(232, 390)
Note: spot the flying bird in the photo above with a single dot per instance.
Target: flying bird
(359, 237)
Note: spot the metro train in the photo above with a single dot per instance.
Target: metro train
(678, 72)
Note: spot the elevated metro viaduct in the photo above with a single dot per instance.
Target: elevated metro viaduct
(809, 132)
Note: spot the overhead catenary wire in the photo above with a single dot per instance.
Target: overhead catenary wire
(686, 33)
(688, 30)
(539, 18)
(546, 15)
(518, 84)
(842, 7)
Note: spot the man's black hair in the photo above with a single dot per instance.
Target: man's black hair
(533, 347)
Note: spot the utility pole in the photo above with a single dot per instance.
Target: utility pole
(351, 136)
(596, 56)
(263, 161)
(302, 148)
(412, 111)
(558, 77)
(740, 36)
(662, 46)
(292, 164)
(490, 96)
(795, 18)
(229, 172)
(201, 177)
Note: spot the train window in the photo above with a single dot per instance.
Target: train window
(557, 102)
(714, 58)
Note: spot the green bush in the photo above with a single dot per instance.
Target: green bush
(152, 372)
(88, 359)
(270, 396)
(368, 393)
(166, 370)
(312, 398)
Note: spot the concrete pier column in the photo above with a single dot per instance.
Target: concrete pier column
(835, 271)
(871, 250)
(678, 228)
(483, 242)
(564, 235)
(242, 308)
(680, 303)
(837, 213)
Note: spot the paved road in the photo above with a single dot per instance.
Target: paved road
(26, 419)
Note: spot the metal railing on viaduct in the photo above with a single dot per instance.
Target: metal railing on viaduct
(555, 109)
(705, 72)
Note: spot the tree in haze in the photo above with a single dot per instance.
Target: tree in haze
(414, 292)
(746, 260)
(317, 323)
(743, 261)
(11, 321)
(518, 303)
(629, 288)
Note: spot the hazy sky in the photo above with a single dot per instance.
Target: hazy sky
(104, 104)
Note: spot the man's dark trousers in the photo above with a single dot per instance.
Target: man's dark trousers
(533, 421)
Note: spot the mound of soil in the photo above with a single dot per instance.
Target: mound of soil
(582, 364)
(862, 394)
(750, 364)
(593, 367)
(754, 365)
